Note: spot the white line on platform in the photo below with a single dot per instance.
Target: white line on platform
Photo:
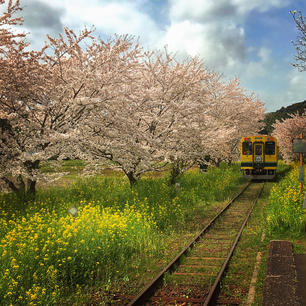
(252, 288)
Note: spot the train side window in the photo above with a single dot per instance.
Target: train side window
(247, 148)
(270, 148)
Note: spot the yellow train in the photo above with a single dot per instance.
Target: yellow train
(259, 157)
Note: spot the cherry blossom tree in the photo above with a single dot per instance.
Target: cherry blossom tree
(37, 104)
(236, 114)
(170, 112)
(116, 129)
(287, 130)
(195, 130)
(182, 94)
(13, 58)
(45, 94)
(138, 129)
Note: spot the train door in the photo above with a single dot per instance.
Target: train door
(258, 155)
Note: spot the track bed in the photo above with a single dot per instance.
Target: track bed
(193, 277)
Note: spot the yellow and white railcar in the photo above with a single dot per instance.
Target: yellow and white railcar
(259, 157)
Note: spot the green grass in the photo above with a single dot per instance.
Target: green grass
(285, 213)
(71, 166)
(117, 232)
(272, 205)
(237, 281)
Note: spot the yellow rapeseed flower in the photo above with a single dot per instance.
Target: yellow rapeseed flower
(33, 296)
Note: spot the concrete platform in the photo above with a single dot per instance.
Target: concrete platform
(300, 265)
(285, 276)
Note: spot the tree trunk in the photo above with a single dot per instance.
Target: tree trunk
(132, 178)
(21, 188)
(175, 172)
(24, 191)
(31, 190)
(218, 162)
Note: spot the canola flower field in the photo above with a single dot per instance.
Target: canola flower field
(286, 212)
(47, 253)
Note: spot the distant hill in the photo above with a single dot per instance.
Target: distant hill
(280, 114)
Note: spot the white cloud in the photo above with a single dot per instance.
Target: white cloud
(206, 28)
(219, 46)
(201, 11)
(186, 37)
(264, 54)
(121, 18)
(297, 86)
(258, 68)
(212, 29)
(209, 10)
(277, 87)
(255, 70)
(245, 7)
(109, 17)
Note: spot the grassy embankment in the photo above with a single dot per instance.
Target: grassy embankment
(279, 214)
(47, 254)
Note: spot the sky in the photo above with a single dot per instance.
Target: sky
(249, 39)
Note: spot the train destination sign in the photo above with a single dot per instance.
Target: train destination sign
(299, 145)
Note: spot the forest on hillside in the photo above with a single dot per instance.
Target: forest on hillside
(282, 114)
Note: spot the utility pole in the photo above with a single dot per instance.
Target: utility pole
(301, 166)
(299, 146)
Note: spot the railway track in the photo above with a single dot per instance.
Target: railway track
(193, 277)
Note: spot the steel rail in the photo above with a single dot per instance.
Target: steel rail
(151, 287)
(214, 291)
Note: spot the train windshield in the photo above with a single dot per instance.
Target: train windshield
(247, 148)
(270, 148)
(258, 149)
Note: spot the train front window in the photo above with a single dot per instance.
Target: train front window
(270, 148)
(258, 149)
(247, 148)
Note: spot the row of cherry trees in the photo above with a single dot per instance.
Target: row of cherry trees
(82, 97)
